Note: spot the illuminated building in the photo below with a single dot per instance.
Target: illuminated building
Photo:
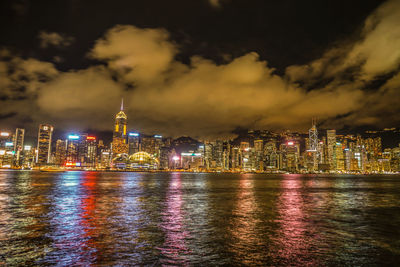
(105, 158)
(235, 158)
(164, 157)
(331, 143)
(217, 155)
(226, 156)
(259, 154)
(208, 155)
(151, 144)
(321, 151)
(340, 160)
(90, 151)
(119, 143)
(312, 147)
(395, 159)
(18, 146)
(44, 144)
(290, 154)
(191, 160)
(246, 160)
(61, 152)
(73, 148)
(270, 156)
(313, 137)
(139, 160)
(347, 159)
(6, 150)
(28, 157)
(133, 142)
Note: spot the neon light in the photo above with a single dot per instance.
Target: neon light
(9, 143)
(158, 136)
(175, 158)
(291, 143)
(133, 134)
(10, 152)
(73, 137)
(27, 147)
(2, 152)
(4, 134)
(191, 154)
(90, 138)
(73, 164)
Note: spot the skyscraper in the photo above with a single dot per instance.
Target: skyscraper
(61, 152)
(44, 144)
(313, 137)
(18, 146)
(119, 143)
(90, 151)
(331, 145)
(134, 143)
(313, 145)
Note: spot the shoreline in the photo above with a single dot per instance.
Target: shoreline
(198, 172)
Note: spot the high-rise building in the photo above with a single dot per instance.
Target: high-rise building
(331, 144)
(90, 151)
(73, 145)
(6, 149)
(259, 154)
(151, 145)
(18, 146)
(134, 142)
(290, 154)
(119, 143)
(340, 157)
(28, 158)
(44, 144)
(313, 137)
(61, 152)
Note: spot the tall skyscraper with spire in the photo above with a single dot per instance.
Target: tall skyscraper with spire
(119, 143)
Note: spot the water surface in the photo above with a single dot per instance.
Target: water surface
(95, 218)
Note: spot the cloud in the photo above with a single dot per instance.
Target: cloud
(137, 55)
(82, 98)
(48, 39)
(215, 3)
(203, 98)
(23, 77)
(20, 82)
(375, 53)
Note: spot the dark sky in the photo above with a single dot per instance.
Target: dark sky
(201, 68)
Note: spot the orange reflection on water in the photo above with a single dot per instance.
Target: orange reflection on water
(174, 247)
(244, 224)
(295, 233)
(89, 218)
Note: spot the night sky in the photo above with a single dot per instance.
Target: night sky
(200, 68)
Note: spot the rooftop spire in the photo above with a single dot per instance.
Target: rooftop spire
(122, 104)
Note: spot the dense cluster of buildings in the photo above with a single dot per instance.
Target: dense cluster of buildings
(253, 151)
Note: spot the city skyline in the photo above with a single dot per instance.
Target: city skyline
(260, 151)
(179, 76)
(199, 132)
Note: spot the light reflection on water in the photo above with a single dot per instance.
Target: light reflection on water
(93, 218)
